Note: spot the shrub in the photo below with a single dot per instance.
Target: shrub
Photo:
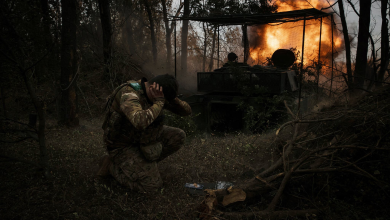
(187, 124)
(261, 110)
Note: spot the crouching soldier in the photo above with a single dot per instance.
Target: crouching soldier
(134, 133)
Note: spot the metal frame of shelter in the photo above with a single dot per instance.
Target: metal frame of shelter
(258, 19)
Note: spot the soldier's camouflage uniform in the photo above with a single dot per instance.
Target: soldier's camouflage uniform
(133, 122)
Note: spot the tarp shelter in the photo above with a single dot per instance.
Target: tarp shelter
(256, 19)
(259, 19)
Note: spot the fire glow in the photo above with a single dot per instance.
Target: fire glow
(266, 39)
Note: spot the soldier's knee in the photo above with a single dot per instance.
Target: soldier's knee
(182, 136)
(151, 185)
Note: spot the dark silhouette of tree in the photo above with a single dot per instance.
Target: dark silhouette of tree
(211, 64)
(347, 43)
(22, 50)
(152, 31)
(168, 31)
(105, 19)
(362, 45)
(384, 43)
(47, 37)
(68, 110)
(184, 35)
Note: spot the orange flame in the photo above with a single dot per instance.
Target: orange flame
(266, 39)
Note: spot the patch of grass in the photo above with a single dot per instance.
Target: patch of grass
(74, 192)
(187, 123)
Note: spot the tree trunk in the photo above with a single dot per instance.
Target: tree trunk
(105, 19)
(372, 67)
(152, 33)
(23, 67)
(44, 65)
(211, 65)
(41, 127)
(167, 34)
(245, 42)
(130, 36)
(46, 21)
(384, 43)
(68, 103)
(362, 46)
(347, 43)
(127, 30)
(57, 32)
(205, 29)
(184, 35)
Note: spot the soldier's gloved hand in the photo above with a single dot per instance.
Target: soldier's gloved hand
(157, 92)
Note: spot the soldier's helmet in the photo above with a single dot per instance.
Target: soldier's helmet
(232, 57)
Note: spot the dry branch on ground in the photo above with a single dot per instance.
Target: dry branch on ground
(341, 141)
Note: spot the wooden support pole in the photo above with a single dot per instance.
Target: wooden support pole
(218, 50)
(175, 51)
(245, 39)
(301, 69)
(331, 77)
(319, 58)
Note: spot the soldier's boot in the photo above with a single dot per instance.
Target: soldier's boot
(104, 166)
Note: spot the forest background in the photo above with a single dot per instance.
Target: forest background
(61, 59)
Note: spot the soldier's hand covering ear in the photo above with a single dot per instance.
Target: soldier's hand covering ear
(156, 91)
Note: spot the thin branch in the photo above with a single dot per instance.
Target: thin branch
(287, 152)
(306, 121)
(319, 137)
(288, 109)
(353, 7)
(329, 6)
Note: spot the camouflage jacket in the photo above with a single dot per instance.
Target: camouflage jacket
(133, 120)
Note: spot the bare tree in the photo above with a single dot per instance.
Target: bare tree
(184, 35)
(205, 30)
(346, 42)
(129, 36)
(362, 45)
(68, 112)
(47, 35)
(152, 31)
(105, 19)
(245, 42)
(168, 32)
(24, 62)
(213, 50)
(128, 13)
(384, 43)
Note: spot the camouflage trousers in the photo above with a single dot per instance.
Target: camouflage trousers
(131, 169)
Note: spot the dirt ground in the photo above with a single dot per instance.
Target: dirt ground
(74, 191)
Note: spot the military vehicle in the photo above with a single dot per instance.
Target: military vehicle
(218, 94)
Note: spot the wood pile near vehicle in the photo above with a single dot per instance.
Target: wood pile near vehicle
(346, 145)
